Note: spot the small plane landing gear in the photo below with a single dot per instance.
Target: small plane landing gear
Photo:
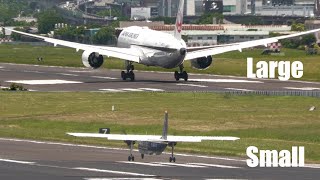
(181, 75)
(130, 144)
(129, 74)
(142, 156)
(172, 158)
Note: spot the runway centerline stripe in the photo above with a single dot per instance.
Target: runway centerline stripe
(192, 85)
(215, 165)
(224, 80)
(111, 171)
(121, 179)
(143, 163)
(181, 165)
(16, 161)
(237, 89)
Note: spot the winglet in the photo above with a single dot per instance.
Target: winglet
(165, 126)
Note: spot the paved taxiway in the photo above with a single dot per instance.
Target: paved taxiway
(24, 159)
(44, 78)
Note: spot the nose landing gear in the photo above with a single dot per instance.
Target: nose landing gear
(172, 158)
(181, 75)
(129, 74)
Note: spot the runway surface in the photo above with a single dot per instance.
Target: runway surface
(45, 78)
(26, 159)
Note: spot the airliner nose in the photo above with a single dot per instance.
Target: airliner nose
(183, 51)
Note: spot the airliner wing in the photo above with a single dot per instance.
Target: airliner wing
(155, 138)
(130, 54)
(242, 45)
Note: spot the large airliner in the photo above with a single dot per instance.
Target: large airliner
(154, 48)
(153, 144)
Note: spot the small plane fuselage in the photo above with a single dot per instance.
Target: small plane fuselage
(156, 48)
(151, 148)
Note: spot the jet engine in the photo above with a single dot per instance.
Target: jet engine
(201, 63)
(92, 59)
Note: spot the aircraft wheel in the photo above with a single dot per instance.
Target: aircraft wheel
(123, 75)
(174, 159)
(132, 76)
(129, 158)
(142, 156)
(185, 75)
(170, 159)
(132, 158)
(176, 75)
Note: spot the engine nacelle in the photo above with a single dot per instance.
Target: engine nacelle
(202, 63)
(92, 59)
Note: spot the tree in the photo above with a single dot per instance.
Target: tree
(47, 20)
(308, 39)
(207, 18)
(298, 27)
(105, 35)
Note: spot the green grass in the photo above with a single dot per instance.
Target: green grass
(264, 121)
(232, 63)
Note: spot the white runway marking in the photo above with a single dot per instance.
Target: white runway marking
(44, 82)
(111, 90)
(102, 77)
(181, 165)
(192, 85)
(224, 80)
(236, 89)
(121, 179)
(65, 74)
(143, 163)
(303, 88)
(152, 89)
(38, 72)
(1, 67)
(15, 161)
(111, 171)
(131, 89)
(214, 165)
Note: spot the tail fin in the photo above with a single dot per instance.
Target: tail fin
(165, 126)
(179, 21)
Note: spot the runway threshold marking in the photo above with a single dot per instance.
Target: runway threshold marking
(181, 165)
(44, 82)
(225, 80)
(303, 88)
(238, 89)
(16, 161)
(111, 171)
(143, 163)
(215, 165)
(192, 85)
(102, 77)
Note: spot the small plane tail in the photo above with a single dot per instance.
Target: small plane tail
(179, 21)
(165, 126)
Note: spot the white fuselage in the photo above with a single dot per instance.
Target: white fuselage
(156, 48)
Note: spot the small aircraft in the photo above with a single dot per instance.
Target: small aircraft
(155, 48)
(152, 144)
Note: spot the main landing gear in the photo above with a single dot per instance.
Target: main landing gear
(172, 158)
(130, 144)
(181, 75)
(129, 74)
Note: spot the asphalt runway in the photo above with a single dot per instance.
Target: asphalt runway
(46, 78)
(26, 159)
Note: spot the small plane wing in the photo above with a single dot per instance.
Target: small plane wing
(155, 138)
(210, 51)
(130, 54)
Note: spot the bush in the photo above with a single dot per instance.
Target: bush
(17, 87)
